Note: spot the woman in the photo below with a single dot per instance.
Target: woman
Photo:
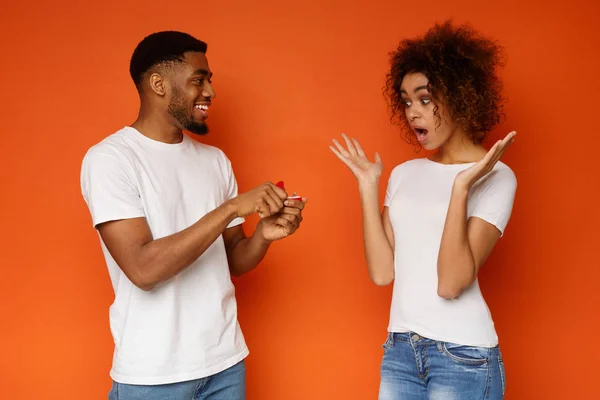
(442, 217)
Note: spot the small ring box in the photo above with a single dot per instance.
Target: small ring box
(294, 197)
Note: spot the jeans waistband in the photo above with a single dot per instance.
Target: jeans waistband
(414, 338)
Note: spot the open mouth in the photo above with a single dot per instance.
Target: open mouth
(421, 134)
(203, 109)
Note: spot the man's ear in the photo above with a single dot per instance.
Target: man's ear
(158, 84)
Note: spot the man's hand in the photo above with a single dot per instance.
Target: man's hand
(266, 200)
(244, 254)
(284, 223)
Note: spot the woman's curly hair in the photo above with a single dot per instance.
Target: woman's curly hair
(461, 67)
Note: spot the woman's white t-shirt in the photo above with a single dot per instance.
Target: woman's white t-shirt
(418, 195)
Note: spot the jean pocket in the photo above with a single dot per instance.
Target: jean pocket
(388, 342)
(114, 392)
(468, 355)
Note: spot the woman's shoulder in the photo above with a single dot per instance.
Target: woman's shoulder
(410, 164)
(501, 178)
(504, 173)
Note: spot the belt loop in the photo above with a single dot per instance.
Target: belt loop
(391, 338)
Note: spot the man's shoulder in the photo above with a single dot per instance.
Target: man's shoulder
(114, 146)
(209, 150)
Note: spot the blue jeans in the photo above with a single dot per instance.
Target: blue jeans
(226, 385)
(417, 368)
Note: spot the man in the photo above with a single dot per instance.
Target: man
(169, 218)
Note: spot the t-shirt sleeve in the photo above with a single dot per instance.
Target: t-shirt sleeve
(392, 186)
(494, 198)
(232, 191)
(109, 188)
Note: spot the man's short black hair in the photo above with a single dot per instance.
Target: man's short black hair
(161, 48)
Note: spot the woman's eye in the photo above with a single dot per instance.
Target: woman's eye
(425, 101)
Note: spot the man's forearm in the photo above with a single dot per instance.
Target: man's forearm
(161, 259)
(247, 253)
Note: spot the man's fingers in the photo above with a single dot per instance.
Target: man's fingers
(287, 225)
(291, 218)
(279, 192)
(297, 204)
(292, 214)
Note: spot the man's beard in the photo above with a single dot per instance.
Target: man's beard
(178, 110)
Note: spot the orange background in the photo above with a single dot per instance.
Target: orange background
(290, 76)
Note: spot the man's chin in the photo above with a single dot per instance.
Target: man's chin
(197, 128)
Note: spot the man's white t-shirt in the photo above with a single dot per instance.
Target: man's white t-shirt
(185, 328)
(418, 195)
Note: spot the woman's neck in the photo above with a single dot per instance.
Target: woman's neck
(459, 149)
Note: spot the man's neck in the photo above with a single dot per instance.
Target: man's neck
(157, 127)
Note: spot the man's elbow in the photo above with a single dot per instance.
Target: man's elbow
(235, 272)
(239, 270)
(141, 279)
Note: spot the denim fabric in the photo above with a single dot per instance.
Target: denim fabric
(226, 385)
(417, 368)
